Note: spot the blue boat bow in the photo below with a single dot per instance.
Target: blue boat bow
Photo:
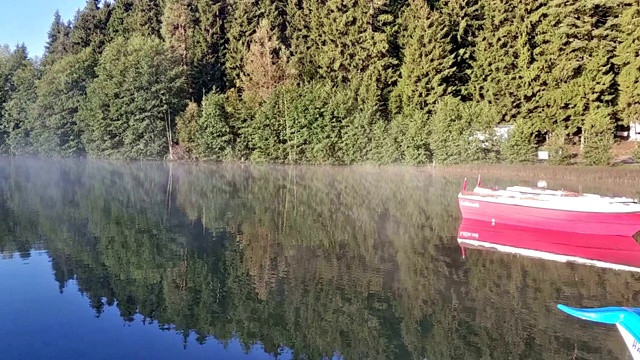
(627, 320)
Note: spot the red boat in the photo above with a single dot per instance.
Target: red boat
(610, 251)
(551, 209)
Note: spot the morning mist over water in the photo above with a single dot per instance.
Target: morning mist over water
(154, 260)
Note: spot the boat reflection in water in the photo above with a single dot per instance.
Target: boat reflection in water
(609, 251)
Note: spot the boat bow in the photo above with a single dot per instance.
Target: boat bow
(627, 320)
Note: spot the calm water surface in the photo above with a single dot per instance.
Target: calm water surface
(107, 260)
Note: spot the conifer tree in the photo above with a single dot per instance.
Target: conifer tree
(120, 12)
(598, 137)
(187, 128)
(503, 57)
(134, 100)
(428, 59)
(89, 28)
(178, 25)
(145, 18)
(464, 21)
(58, 40)
(463, 132)
(628, 58)
(351, 46)
(244, 18)
(208, 47)
(264, 64)
(18, 110)
(5, 75)
(215, 130)
(61, 92)
(576, 44)
(519, 147)
(298, 34)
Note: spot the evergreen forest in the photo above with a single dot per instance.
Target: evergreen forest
(326, 81)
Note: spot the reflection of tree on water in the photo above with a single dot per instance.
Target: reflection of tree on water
(361, 262)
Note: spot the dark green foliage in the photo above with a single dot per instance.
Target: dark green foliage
(58, 40)
(187, 127)
(502, 71)
(61, 93)
(135, 97)
(194, 31)
(215, 136)
(428, 59)
(119, 14)
(19, 97)
(519, 147)
(628, 58)
(146, 18)
(243, 20)
(465, 19)
(208, 47)
(317, 123)
(357, 50)
(576, 44)
(411, 131)
(267, 132)
(463, 132)
(598, 137)
(5, 77)
(336, 81)
(89, 28)
(178, 23)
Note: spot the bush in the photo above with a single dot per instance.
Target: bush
(559, 153)
(187, 128)
(316, 123)
(463, 132)
(411, 132)
(519, 147)
(598, 138)
(215, 133)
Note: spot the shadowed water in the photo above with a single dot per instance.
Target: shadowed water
(104, 260)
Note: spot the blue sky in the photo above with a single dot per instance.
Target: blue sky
(28, 21)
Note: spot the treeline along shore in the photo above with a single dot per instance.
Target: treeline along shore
(327, 81)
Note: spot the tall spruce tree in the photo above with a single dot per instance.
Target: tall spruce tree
(350, 45)
(464, 20)
(58, 40)
(120, 11)
(61, 92)
(5, 77)
(503, 57)
(132, 104)
(89, 28)
(145, 18)
(208, 47)
(298, 34)
(244, 18)
(427, 59)
(178, 23)
(18, 109)
(628, 58)
(264, 64)
(576, 46)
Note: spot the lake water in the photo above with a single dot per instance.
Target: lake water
(110, 260)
